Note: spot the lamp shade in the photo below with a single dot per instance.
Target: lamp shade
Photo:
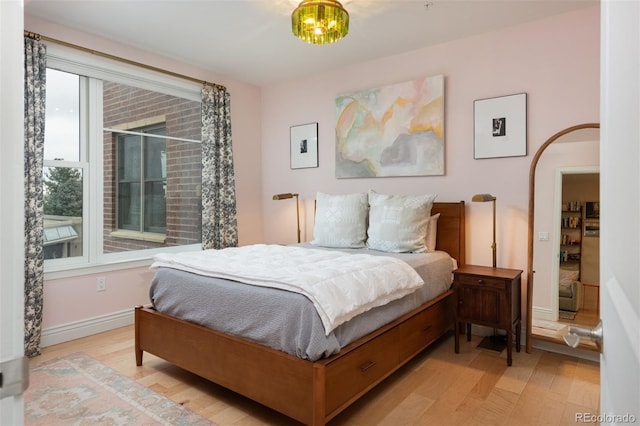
(483, 198)
(284, 196)
(320, 21)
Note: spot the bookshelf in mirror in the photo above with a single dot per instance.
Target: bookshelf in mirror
(571, 235)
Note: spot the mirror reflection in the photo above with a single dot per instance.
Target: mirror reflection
(564, 234)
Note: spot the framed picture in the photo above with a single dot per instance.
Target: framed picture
(592, 209)
(400, 131)
(500, 127)
(304, 146)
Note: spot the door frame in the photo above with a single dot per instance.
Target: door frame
(12, 194)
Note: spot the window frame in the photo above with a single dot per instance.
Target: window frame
(97, 69)
(143, 136)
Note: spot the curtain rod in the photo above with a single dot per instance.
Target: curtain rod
(37, 36)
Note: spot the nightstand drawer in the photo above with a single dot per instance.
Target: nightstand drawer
(489, 282)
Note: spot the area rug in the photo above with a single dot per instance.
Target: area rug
(78, 390)
(567, 315)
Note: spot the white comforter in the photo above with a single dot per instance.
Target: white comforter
(340, 285)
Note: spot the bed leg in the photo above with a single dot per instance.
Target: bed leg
(138, 351)
(319, 396)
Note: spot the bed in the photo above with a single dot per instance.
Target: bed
(310, 390)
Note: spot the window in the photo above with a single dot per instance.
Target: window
(64, 166)
(122, 170)
(142, 181)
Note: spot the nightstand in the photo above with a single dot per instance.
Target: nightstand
(490, 297)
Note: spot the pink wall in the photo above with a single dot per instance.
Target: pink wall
(555, 61)
(73, 299)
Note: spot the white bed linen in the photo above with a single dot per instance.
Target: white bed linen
(339, 284)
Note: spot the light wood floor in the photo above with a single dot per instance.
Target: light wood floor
(438, 387)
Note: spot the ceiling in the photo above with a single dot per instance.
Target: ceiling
(251, 40)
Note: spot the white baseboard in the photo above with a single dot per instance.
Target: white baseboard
(544, 314)
(75, 330)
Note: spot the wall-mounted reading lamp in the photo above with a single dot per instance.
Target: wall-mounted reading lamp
(286, 197)
(483, 198)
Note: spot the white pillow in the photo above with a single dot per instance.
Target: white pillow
(432, 233)
(398, 223)
(341, 220)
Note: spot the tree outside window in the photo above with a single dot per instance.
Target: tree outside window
(63, 192)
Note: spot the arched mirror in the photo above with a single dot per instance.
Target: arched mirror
(563, 232)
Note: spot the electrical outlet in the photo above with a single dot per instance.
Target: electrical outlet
(102, 284)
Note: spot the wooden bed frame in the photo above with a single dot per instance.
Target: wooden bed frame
(310, 392)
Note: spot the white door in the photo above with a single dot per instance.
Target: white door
(11, 194)
(620, 216)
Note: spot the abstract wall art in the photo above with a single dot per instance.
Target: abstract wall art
(394, 130)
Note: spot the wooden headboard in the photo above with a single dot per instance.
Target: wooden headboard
(451, 237)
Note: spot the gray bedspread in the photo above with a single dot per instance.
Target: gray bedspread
(281, 319)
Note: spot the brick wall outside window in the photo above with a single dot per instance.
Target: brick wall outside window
(126, 108)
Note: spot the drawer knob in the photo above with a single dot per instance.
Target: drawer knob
(427, 328)
(480, 281)
(367, 366)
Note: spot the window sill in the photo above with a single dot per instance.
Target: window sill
(87, 269)
(113, 262)
(139, 236)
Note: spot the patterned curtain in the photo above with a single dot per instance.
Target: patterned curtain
(35, 67)
(219, 223)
